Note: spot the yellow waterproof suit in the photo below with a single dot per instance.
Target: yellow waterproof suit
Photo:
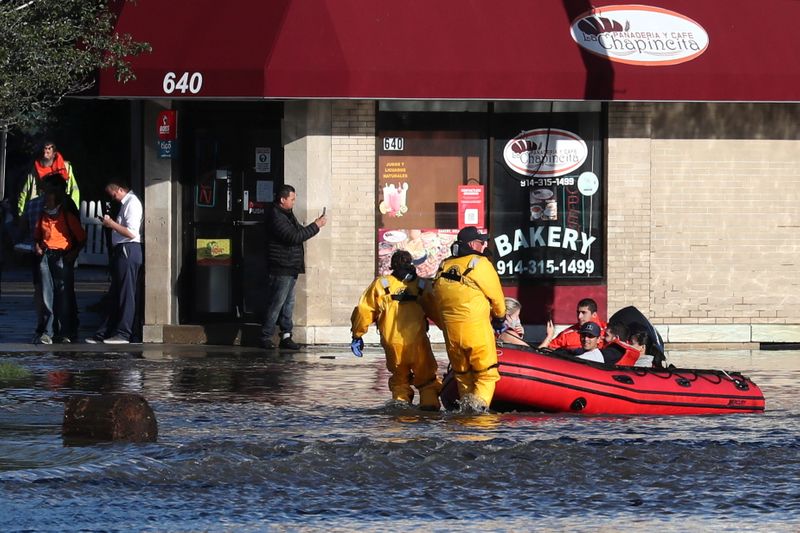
(468, 294)
(396, 307)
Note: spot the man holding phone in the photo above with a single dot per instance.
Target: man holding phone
(285, 261)
(127, 259)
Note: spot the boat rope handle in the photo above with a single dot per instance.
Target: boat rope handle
(734, 380)
(692, 372)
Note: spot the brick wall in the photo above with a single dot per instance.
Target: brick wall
(353, 230)
(706, 232)
(629, 210)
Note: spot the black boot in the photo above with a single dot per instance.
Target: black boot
(288, 344)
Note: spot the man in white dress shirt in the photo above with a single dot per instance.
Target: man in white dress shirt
(126, 265)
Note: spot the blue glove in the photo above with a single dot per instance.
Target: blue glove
(357, 347)
(499, 325)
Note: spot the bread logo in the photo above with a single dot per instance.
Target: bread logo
(640, 35)
(545, 152)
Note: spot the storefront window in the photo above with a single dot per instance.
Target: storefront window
(546, 199)
(544, 184)
(424, 162)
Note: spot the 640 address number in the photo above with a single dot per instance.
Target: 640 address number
(542, 266)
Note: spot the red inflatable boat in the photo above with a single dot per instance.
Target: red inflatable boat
(535, 381)
(532, 380)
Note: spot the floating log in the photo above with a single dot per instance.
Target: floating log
(117, 416)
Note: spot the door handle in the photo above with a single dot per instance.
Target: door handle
(246, 222)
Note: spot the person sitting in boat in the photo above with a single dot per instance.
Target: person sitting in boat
(589, 350)
(616, 348)
(570, 339)
(395, 304)
(513, 333)
(640, 340)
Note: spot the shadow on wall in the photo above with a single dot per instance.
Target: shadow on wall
(726, 121)
(599, 84)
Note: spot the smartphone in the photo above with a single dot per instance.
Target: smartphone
(323, 211)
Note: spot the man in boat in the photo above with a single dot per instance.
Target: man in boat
(395, 304)
(615, 352)
(570, 339)
(469, 299)
(589, 350)
(616, 348)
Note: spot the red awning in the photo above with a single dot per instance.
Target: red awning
(686, 50)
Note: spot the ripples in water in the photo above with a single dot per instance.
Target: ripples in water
(249, 445)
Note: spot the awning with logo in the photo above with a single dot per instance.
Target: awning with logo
(685, 50)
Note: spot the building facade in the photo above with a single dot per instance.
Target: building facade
(631, 182)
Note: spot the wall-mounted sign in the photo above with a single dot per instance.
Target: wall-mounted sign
(167, 125)
(640, 35)
(167, 149)
(545, 152)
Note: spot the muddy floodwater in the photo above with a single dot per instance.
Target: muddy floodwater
(253, 443)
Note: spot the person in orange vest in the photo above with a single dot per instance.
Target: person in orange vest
(570, 339)
(50, 162)
(58, 238)
(616, 349)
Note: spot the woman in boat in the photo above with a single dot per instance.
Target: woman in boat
(639, 340)
(514, 332)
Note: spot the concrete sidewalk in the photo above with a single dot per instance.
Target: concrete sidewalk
(18, 323)
(17, 314)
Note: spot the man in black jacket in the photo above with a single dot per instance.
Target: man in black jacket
(285, 238)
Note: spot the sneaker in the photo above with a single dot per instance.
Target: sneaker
(44, 338)
(94, 339)
(268, 345)
(63, 340)
(288, 344)
(116, 339)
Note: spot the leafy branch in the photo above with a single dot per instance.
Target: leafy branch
(52, 48)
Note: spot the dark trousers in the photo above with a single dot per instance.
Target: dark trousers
(126, 265)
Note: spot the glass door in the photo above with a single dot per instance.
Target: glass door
(235, 171)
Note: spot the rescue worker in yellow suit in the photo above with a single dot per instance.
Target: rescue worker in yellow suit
(468, 296)
(395, 304)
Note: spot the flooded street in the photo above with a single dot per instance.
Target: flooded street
(251, 443)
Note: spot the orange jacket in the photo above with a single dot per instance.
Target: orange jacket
(60, 232)
(630, 356)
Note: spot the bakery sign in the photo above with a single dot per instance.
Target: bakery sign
(640, 35)
(545, 152)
